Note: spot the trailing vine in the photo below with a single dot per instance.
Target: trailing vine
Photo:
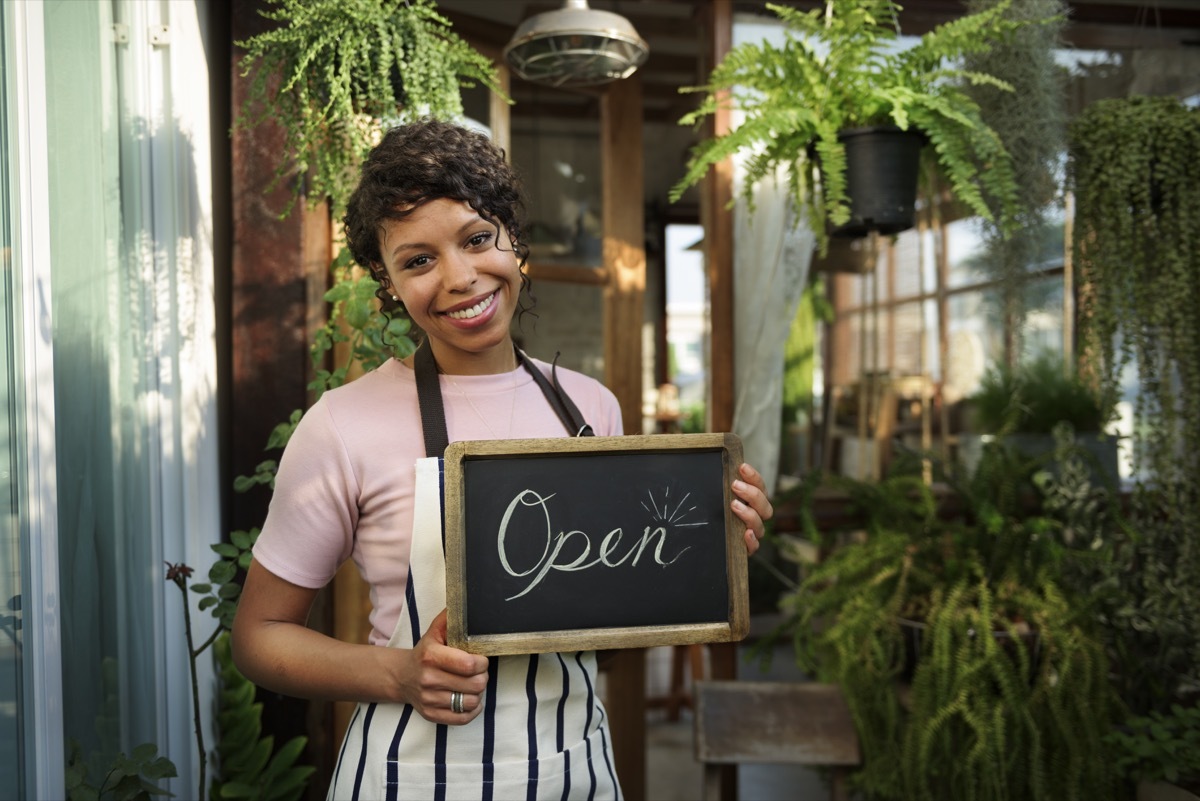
(1134, 171)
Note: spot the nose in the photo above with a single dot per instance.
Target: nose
(458, 272)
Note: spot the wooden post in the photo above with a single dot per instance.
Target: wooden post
(717, 218)
(625, 263)
(624, 245)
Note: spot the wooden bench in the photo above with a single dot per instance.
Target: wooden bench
(800, 723)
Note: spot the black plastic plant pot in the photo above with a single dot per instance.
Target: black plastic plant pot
(882, 164)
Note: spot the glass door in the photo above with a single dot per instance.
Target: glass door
(31, 755)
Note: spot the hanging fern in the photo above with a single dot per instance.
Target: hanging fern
(840, 67)
(335, 69)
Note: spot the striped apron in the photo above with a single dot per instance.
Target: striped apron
(542, 734)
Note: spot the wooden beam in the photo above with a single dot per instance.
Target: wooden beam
(567, 273)
(625, 261)
(624, 244)
(717, 219)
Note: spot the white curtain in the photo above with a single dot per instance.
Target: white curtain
(772, 251)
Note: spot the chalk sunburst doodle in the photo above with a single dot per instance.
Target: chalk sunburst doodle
(669, 512)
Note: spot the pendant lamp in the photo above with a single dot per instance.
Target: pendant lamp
(575, 46)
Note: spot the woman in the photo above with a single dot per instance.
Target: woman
(435, 220)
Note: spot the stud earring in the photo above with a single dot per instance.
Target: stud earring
(395, 298)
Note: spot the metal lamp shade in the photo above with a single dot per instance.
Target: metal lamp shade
(575, 46)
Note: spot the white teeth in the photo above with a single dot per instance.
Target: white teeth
(474, 311)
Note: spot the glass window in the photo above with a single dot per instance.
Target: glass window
(559, 162)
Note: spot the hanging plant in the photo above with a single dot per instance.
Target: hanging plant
(1134, 171)
(345, 66)
(1030, 121)
(841, 68)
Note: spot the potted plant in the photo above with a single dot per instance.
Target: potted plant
(1005, 693)
(841, 79)
(1133, 171)
(1026, 402)
(1161, 752)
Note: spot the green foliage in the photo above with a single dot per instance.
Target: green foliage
(223, 588)
(248, 764)
(126, 778)
(1008, 689)
(1030, 122)
(1160, 746)
(356, 324)
(841, 67)
(1136, 180)
(799, 351)
(1035, 396)
(336, 70)
(694, 419)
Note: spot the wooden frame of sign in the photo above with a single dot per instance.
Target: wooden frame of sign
(584, 543)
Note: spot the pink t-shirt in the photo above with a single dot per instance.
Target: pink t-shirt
(345, 484)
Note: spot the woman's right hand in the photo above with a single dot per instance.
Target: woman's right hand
(436, 671)
(274, 648)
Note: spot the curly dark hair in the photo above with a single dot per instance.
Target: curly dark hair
(426, 160)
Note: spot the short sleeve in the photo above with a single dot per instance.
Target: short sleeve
(309, 530)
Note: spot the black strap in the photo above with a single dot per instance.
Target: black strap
(559, 400)
(429, 396)
(433, 413)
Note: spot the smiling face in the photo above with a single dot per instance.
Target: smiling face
(458, 283)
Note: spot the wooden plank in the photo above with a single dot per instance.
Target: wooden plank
(801, 723)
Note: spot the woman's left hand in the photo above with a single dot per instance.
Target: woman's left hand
(752, 505)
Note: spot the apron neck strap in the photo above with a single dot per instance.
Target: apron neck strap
(559, 400)
(429, 396)
(433, 413)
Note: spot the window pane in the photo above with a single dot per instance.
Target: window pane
(559, 163)
(1044, 315)
(965, 253)
(974, 340)
(907, 339)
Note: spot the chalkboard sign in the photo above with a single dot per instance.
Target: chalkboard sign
(583, 543)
